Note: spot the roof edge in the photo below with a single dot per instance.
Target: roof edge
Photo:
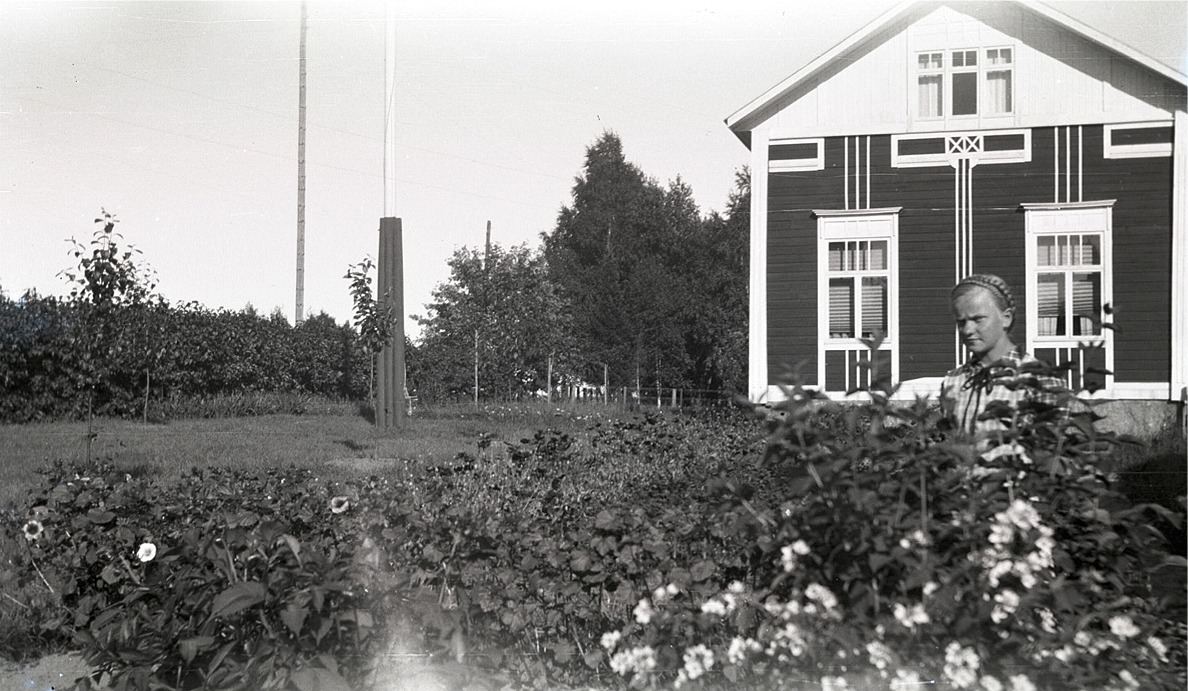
(739, 120)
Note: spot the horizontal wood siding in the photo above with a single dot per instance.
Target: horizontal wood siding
(1141, 248)
(925, 259)
(792, 262)
(1142, 257)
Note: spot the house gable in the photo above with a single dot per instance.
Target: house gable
(873, 84)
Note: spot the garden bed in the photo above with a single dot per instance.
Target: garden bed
(710, 550)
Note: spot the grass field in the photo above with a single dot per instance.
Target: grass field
(345, 442)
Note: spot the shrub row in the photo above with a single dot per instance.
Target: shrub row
(54, 363)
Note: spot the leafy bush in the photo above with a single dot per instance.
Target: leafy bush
(865, 545)
(903, 553)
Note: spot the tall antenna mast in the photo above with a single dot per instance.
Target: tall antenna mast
(301, 177)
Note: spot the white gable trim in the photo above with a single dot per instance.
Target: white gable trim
(746, 118)
(757, 381)
(1179, 249)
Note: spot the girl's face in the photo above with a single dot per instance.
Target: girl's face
(982, 325)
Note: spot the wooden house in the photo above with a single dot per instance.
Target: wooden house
(950, 138)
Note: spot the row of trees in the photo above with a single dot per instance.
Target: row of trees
(633, 284)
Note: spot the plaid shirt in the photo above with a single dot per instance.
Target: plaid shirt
(968, 390)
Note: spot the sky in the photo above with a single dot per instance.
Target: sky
(180, 118)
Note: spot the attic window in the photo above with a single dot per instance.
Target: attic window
(966, 82)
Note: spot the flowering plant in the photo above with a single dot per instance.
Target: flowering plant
(1003, 567)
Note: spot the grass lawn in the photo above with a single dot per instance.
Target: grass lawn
(343, 442)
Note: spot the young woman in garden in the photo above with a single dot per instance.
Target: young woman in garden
(984, 311)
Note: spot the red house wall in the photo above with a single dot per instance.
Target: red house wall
(1141, 247)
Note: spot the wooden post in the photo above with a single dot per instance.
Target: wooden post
(391, 408)
(549, 386)
(605, 384)
(476, 369)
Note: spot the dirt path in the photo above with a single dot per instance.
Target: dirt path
(50, 673)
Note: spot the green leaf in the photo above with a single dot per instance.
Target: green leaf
(702, 570)
(100, 517)
(319, 679)
(237, 598)
(190, 647)
(294, 617)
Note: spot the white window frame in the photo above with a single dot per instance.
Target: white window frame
(1110, 150)
(930, 72)
(984, 80)
(1074, 218)
(951, 71)
(849, 225)
(797, 164)
(946, 72)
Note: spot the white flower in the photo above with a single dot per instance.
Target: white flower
(339, 504)
(1008, 603)
(610, 639)
(906, 680)
(1122, 627)
(1047, 620)
(930, 587)
(1083, 639)
(1158, 646)
(698, 660)
(32, 529)
(991, 684)
(739, 647)
(961, 665)
(1128, 680)
(909, 618)
(800, 547)
(833, 683)
(880, 654)
(1020, 682)
(714, 607)
(636, 660)
(643, 611)
(147, 552)
(822, 595)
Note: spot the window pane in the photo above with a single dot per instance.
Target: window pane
(1050, 305)
(835, 255)
(874, 305)
(841, 307)
(931, 96)
(998, 91)
(965, 93)
(1045, 250)
(878, 255)
(1090, 250)
(1086, 295)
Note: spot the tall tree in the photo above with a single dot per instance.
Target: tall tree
(718, 266)
(616, 254)
(501, 305)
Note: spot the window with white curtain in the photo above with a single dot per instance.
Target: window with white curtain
(999, 80)
(930, 81)
(965, 82)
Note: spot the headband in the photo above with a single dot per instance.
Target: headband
(992, 283)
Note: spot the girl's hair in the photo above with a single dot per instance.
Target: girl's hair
(998, 289)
